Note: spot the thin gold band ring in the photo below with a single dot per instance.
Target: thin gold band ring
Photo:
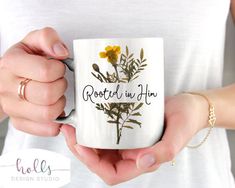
(21, 88)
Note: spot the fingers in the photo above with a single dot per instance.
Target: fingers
(115, 167)
(38, 129)
(69, 133)
(35, 67)
(46, 40)
(40, 93)
(32, 58)
(150, 159)
(175, 138)
(107, 164)
(28, 58)
(37, 113)
(43, 93)
(184, 118)
(104, 166)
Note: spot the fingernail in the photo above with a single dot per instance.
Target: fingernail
(146, 161)
(59, 49)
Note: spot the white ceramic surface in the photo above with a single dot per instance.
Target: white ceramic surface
(130, 124)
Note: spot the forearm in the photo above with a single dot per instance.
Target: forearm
(223, 100)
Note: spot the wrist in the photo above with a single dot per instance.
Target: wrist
(210, 118)
(201, 107)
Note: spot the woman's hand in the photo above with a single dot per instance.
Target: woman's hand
(45, 92)
(185, 115)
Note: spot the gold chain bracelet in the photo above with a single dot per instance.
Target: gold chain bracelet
(211, 122)
(211, 119)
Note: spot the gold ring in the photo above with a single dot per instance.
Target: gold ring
(21, 88)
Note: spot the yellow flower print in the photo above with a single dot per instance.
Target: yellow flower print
(111, 53)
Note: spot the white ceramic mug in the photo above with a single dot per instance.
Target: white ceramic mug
(119, 92)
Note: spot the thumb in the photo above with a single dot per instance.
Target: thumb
(47, 42)
(175, 137)
(69, 133)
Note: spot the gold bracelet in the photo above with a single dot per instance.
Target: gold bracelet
(211, 119)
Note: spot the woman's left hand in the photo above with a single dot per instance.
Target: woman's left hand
(185, 115)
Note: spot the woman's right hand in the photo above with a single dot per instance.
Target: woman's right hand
(44, 94)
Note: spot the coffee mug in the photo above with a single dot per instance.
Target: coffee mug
(119, 92)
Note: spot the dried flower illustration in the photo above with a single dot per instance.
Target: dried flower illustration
(111, 53)
(126, 69)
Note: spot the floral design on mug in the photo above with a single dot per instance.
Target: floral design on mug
(126, 69)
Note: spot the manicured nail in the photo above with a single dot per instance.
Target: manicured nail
(146, 161)
(59, 49)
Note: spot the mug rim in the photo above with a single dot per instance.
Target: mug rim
(119, 38)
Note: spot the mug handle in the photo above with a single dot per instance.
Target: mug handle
(70, 119)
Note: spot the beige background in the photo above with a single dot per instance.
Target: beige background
(229, 78)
